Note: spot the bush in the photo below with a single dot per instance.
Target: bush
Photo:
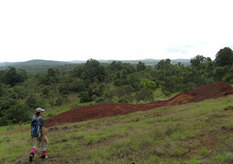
(45, 91)
(145, 95)
(19, 92)
(32, 102)
(63, 89)
(85, 97)
(78, 85)
(6, 102)
(16, 114)
(122, 100)
(61, 100)
(99, 100)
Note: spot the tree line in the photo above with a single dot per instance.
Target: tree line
(94, 82)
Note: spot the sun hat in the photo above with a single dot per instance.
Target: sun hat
(39, 110)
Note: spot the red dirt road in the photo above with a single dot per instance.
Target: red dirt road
(82, 113)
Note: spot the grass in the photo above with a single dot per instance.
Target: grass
(71, 103)
(192, 133)
(159, 95)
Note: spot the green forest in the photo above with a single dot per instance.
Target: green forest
(94, 82)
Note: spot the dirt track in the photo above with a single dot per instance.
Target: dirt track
(82, 113)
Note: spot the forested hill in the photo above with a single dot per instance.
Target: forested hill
(94, 82)
(33, 67)
(34, 62)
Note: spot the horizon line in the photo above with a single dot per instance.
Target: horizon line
(90, 59)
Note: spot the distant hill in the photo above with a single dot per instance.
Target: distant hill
(34, 62)
(151, 62)
(33, 67)
(6, 64)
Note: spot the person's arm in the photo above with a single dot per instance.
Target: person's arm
(31, 131)
(42, 124)
(43, 132)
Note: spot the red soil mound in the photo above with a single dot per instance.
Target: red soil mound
(83, 113)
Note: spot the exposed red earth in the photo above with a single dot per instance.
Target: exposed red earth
(82, 113)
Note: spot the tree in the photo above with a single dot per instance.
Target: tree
(93, 70)
(198, 60)
(229, 76)
(77, 71)
(22, 75)
(19, 92)
(115, 66)
(52, 75)
(149, 84)
(224, 57)
(12, 77)
(1, 76)
(2, 91)
(78, 85)
(141, 66)
(63, 89)
(163, 64)
(220, 72)
(32, 102)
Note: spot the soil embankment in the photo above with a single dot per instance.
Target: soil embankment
(82, 113)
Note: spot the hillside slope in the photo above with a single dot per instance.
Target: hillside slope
(184, 134)
(215, 90)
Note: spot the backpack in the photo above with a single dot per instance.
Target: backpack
(36, 129)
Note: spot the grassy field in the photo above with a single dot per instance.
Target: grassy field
(192, 133)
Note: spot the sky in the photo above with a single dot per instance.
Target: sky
(67, 30)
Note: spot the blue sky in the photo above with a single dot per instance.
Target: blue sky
(107, 29)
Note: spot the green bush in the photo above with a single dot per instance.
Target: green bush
(32, 101)
(61, 100)
(85, 97)
(16, 114)
(145, 95)
(78, 85)
(63, 89)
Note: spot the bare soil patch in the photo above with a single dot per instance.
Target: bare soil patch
(83, 113)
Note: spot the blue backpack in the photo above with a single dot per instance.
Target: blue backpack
(36, 129)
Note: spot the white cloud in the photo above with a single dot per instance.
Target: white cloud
(105, 29)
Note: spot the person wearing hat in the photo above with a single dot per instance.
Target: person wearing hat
(38, 134)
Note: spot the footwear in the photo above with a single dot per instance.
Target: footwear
(31, 157)
(43, 157)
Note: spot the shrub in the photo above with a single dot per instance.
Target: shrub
(85, 97)
(16, 114)
(145, 95)
(78, 85)
(32, 102)
(63, 89)
(61, 100)
(45, 91)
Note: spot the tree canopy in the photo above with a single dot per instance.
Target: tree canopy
(224, 57)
